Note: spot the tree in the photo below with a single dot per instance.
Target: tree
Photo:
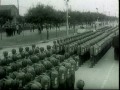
(48, 16)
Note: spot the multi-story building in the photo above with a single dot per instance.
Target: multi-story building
(9, 10)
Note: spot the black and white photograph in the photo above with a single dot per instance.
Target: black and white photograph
(59, 44)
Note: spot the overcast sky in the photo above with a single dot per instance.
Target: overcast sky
(104, 6)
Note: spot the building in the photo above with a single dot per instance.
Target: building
(9, 10)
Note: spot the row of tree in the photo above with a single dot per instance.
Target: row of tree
(48, 16)
(44, 14)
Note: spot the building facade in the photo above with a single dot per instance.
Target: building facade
(10, 10)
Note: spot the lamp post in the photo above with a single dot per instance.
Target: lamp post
(97, 19)
(17, 15)
(97, 13)
(18, 6)
(67, 26)
(109, 17)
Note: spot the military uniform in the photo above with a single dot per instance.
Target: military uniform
(115, 44)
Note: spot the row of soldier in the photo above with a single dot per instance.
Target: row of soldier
(64, 51)
(66, 82)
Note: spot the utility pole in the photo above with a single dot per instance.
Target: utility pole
(67, 26)
(18, 6)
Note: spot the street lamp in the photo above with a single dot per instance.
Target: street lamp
(97, 13)
(18, 6)
(67, 16)
(97, 19)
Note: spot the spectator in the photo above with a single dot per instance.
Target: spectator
(30, 27)
(33, 27)
(18, 29)
(13, 27)
(39, 29)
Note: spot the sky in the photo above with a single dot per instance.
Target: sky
(108, 7)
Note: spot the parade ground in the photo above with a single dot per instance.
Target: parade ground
(105, 74)
(59, 44)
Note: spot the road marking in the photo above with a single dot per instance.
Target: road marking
(107, 76)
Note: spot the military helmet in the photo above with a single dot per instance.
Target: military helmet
(5, 53)
(13, 51)
(27, 49)
(33, 45)
(41, 49)
(80, 84)
(48, 47)
(20, 49)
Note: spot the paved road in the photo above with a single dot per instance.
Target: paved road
(105, 75)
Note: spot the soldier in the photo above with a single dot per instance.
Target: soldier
(55, 47)
(115, 44)
(45, 82)
(21, 52)
(33, 47)
(68, 74)
(92, 58)
(49, 51)
(42, 54)
(80, 84)
(62, 78)
(54, 76)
